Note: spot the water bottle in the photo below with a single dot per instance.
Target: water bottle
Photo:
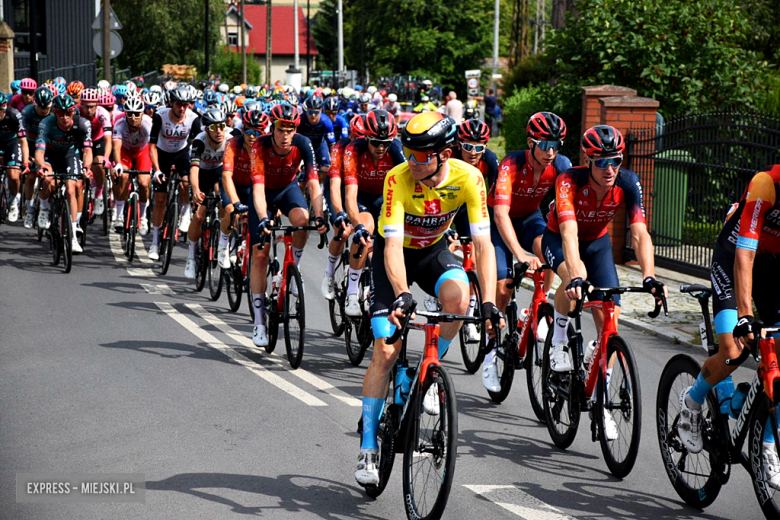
(589, 350)
(524, 314)
(725, 391)
(403, 383)
(738, 399)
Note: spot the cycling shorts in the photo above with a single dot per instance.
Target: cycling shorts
(428, 267)
(766, 289)
(322, 155)
(526, 229)
(166, 160)
(370, 203)
(11, 152)
(285, 200)
(98, 149)
(208, 179)
(595, 254)
(69, 163)
(244, 194)
(141, 160)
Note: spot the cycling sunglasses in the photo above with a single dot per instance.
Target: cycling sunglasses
(418, 157)
(476, 148)
(604, 163)
(313, 112)
(548, 145)
(28, 92)
(252, 132)
(61, 112)
(376, 143)
(134, 115)
(216, 126)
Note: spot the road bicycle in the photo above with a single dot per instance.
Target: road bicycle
(607, 384)
(169, 234)
(4, 192)
(132, 214)
(472, 351)
(429, 441)
(237, 277)
(698, 478)
(207, 266)
(60, 231)
(108, 201)
(522, 347)
(358, 335)
(285, 299)
(340, 273)
(88, 208)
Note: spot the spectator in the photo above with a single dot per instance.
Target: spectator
(454, 108)
(490, 110)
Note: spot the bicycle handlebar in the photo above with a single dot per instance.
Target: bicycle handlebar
(660, 299)
(431, 317)
(746, 352)
(290, 229)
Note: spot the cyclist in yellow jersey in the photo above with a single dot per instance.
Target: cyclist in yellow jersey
(421, 198)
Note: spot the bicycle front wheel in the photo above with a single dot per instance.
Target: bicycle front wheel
(294, 317)
(215, 271)
(431, 447)
(66, 236)
(202, 260)
(561, 399)
(533, 361)
(472, 350)
(168, 238)
(55, 238)
(3, 203)
(234, 280)
(130, 230)
(336, 305)
(767, 496)
(619, 399)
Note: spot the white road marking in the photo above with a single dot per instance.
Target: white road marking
(140, 249)
(519, 503)
(300, 373)
(159, 288)
(239, 358)
(119, 254)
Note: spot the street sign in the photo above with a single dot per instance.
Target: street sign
(473, 73)
(113, 21)
(116, 44)
(472, 83)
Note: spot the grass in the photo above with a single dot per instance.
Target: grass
(497, 146)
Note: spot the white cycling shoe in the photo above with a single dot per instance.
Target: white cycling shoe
(154, 252)
(559, 358)
(689, 425)
(190, 270)
(771, 464)
(43, 219)
(367, 473)
(75, 246)
(143, 226)
(99, 208)
(471, 332)
(223, 257)
(490, 378)
(13, 212)
(184, 221)
(431, 400)
(352, 308)
(329, 287)
(28, 220)
(259, 335)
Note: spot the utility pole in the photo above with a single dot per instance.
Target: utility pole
(544, 22)
(308, 40)
(243, 45)
(207, 65)
(536, 28)
(267, 44)
(495, 44)
(34, 44)
(341, 41)
(106, 40)
(295, 35)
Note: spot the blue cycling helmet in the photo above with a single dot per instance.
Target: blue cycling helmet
(16, 86)
(210, 97)
(119, 91)
(358, 87)
(59, 80)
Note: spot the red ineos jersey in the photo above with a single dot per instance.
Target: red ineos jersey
(336, 158)
(246, 168)
(515, 184)
(360, 169)
(281, 170)
(575, 199)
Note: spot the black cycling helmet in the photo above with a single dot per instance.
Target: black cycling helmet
(380, 125)
(64, 102)
(546, 126)
(332, 104)
(255, 119)
(474, 130)
(43, 97)
(429, 132)
(181, 95)
(313, 102)
(603, 141)
(212, 116)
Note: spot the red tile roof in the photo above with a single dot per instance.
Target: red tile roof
(282, 31)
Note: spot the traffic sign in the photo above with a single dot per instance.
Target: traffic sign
(473, 73)
(116, 44)
(473, 83)
(113, 21)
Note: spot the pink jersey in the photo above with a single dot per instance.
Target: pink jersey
(100, 124)
(17, 102)
(133, 142)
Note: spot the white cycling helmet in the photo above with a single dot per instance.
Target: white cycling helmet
(156, 88)
(392, 98)
(104, 84)
(170, 85)
(134, 104)
(371, 90)
(224, 88)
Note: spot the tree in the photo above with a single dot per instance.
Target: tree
(559, 10)
(161, 31)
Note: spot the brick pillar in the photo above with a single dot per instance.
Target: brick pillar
(591, 106)
(6, 57)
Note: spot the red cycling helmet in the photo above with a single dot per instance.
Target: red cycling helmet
(28, 84)
(75, 87)
(474, 130)
(286, 113)
(90, 95)
(256, 119)
(603, 141)
(357, 126)
(380, 125)
(546, 126)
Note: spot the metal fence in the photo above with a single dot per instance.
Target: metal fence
(692, 168)
(86, 73)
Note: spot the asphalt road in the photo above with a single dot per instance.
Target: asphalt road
(110, 370)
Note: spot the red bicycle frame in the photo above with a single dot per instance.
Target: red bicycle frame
(288, 259)
(539, 297)
(431, 352)
(608, 329)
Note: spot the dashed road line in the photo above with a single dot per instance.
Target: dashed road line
(159, 288)
(519, 503)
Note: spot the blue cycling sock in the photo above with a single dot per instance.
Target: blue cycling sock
(444, 346)
(768, 433)
(698, 392)
(372, 411)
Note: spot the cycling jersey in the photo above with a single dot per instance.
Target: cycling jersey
(244, 166)
(515, 183)
(488, 165)
(172, 137)
(360, 169)
(755, 225)
(575, 199)
(336, 158)
(17, 102)
(281, 170)
(12, 126)
(204, 155)
(101, 123)
(322, 131)
(340, 127)
(421, 215)
(55, 140)
(31, 122)
(133, 141)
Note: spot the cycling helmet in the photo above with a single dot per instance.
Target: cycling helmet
(603, 141)
(392, 98)
(16, 86)
(210, 97)
(131, 87)
(134, 104)
(229, 107)
(358, 87)
(64, 102)
(380, 125)
(255, 119)
(181, 95)
(331, 104)
(43, 97)
(119, 91)
(152, 98)
(286, 113)
(170, 85)
(546, 126)
(313, 103)
(107, 99)
(239, 101)
(3, 99)
(371, 90)
(156, 88)
(193, 92)
(250, 104)
(104, 84)
(212, 116)
(224, 88)
(357, 126)
(474, 130)
(293, 100)
(59, 80)
(429, 131)
(28, 84)
(139, 81)
(90, 95)
(251, 91)
(75, 87)
(364, 98)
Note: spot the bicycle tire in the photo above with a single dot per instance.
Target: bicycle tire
(440, 451)
(533, 362)
(560, 398)
(132, 221)
(168, 238)
(294, 317)
(351, 341)
(3, 203)
(201, 260)
(55, 224)
(248, 288)
(386, 439)
(84, 220)
(473, 352)
(234, 280)
(106, 204)
(67, 237)
(272, 323)
(766, 495)
(620, 457)
(215, 271)
(506, 358)
(336, 305)
(699, 494)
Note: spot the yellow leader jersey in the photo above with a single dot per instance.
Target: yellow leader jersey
(421, 215)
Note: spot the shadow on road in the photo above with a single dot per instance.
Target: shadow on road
(170, 350)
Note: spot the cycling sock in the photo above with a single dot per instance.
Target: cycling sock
(297, 254)
(74, 227)
(78, 216)
(99, 191)
(155, 235)
(258, 300)
(372, 411)
(698, 392)
(561, 324)
(44, 203)
(354, 278)
(490, 358)
(330, 267)
(143, 208)
(444, 346)
(769, 436)
(16, 198)
(223, 239)
(193, 247)
(472, 305)
(120, 208)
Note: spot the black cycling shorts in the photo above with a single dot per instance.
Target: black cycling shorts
(68, 163)
(167, 160)
(12, 152)
(208, 180)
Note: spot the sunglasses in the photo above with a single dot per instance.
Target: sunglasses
(476, 148)
(548, 145)
(60, 112)
(28, 92)
(284, 125)
(607, 162)
(3, 108)
(216, 126)
(376, 143)
(313, 112)
(252, 132)
(133, 114)
(418, 157)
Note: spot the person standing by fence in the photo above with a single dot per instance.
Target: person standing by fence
(491, 101)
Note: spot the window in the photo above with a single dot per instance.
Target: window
(232, 39)
(21, 20)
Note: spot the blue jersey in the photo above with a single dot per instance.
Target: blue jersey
(340, 127)
(322, 131)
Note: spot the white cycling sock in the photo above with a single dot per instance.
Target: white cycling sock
(193, 247)
(78, 216)
(17, 198)
(155, 235)
(223, 239)
(73, 226)
(297, 254)
(44, 203)
(472, 305)
(354, 278)
(330, 267)
(490, 358)
(120, 208)
(559, 332)
(258, 301)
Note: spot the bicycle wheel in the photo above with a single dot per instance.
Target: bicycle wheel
(106, 204)
(215, 271)
(473, 351)
(336, 305)
(560, 398)
(66, 236)
(168, 238)
(3, 203)
(386, 439)
(131, 229)
(697, 478)
(55, 238)
(506, 357)
(431, 448)
(88, 210)
(533, 362)
(202, 260)
(622, 399)
(272, 317)
(294, 317)
(234, 280)
(767, 496)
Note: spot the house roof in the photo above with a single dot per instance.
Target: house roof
(282, 30)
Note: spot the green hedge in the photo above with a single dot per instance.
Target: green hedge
(518, 108)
